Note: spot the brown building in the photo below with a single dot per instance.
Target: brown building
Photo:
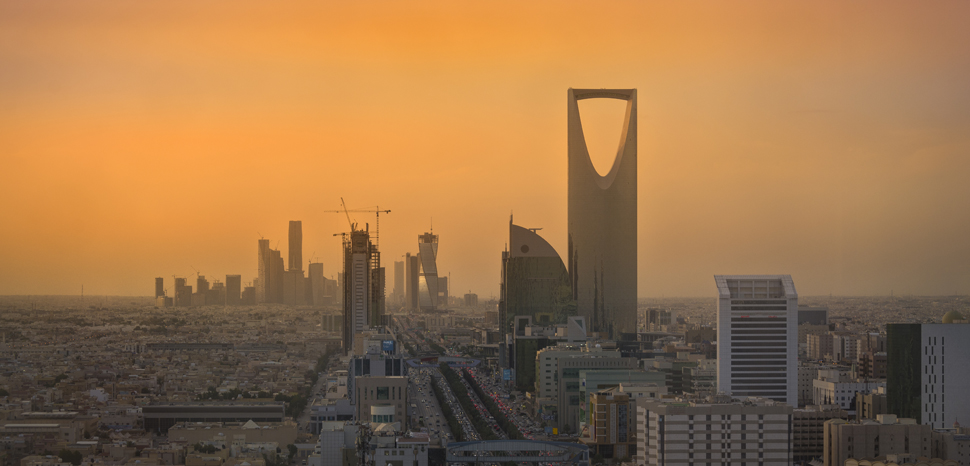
(808, 430)
(612, 425)
(872, 365)
(381, 399)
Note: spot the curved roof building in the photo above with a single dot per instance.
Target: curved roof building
(535, 282)
(602, 221)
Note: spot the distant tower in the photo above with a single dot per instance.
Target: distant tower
(296, 245)
(201, 284)
(442, 292)
(428, 275)
(317, 283)
(159, 287)
(412, 269)
(398, 280)
(602, 221)
(757, 337)
(233, 289)
(262, 271)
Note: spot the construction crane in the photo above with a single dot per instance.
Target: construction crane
(353, 226)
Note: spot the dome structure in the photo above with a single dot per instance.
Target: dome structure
(952, 316)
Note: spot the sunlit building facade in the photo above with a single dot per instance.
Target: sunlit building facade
(757, 337)
(428, 274)
(602, 221)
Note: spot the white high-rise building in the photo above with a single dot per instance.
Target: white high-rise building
(757, 337)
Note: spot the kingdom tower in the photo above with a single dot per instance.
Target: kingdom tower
(602, 221)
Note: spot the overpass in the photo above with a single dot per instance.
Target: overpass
(518, 451)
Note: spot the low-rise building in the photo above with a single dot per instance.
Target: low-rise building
(717, 430)
(887, 435)
(808, 430)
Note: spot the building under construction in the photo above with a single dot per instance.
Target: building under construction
(363, 285)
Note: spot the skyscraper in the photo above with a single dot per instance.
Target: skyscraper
(317, 283)
(363, 286)
(262, 270)
(535, 282)
(233, 289)
(428, 275)
(294, 292)
(296, 245)
(411, 282)
(159, 287)
(442, 293)
(928, 371)
(274, 287)
(183, 293)
(757, 337)
(602, 222)
(398, 280)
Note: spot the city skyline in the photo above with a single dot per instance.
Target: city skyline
(823, 140)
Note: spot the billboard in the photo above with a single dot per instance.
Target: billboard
(507, 374)
(387, 346)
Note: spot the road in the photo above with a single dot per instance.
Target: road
(424, 406)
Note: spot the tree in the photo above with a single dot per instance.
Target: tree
(293, 450)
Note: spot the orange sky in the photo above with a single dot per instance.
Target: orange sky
(828, 140)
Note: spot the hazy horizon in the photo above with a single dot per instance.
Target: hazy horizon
(824, 140)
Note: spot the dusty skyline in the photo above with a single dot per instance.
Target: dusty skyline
(825, 140)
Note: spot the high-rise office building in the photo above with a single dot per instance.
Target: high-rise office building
(442, 292)
(277, 271)
(233, 289)
(317, 284)
(398, 280)
(262, 270)
(428, 274)
(296, 245)
(363, 293)
(412, 269)
(183, 293)
(535, 281)
(159, 287)
(757, 337)
(928, 371)
(602, 221)
(294, 293)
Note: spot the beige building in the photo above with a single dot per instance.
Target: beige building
(228, 433)
(870, 405)
(713, 431)
(381, 399)
(885, 436)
